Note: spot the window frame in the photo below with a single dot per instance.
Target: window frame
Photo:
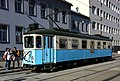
(83, 26)
(98, 45)
(109, 45)
(7, 34)
(64, 17)
(32, 8)
(76, 42)
(56, 15)
(93, 10)
(93, 25)
(40, 41)
(104, 45)
(5, 7)
(27, 42)
(84, 44)
(19, 4)
(64, 41)
(21, 34)
(43, 10)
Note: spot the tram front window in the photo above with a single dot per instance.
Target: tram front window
(29, 42)
(38, 41)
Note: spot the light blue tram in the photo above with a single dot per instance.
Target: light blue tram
(50, 48)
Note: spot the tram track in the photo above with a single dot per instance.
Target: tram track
(89, 69)
(13, 72)
(19, 75)
(28, 73)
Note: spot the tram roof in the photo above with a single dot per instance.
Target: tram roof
(67, 33)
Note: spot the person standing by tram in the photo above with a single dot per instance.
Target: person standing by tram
(5, 57)
(15, 51)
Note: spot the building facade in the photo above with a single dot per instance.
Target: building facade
(16, 15)
(79, 23)
(105, 19)
(104, 16)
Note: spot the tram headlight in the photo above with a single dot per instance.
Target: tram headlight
(32, 58)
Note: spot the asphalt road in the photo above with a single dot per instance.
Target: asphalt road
(106, 71)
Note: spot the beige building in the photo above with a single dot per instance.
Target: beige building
(104, 16)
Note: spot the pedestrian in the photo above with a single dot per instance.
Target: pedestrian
(19, 56)
(9, 58)
(12, 56)
(16, 57)
(5, 57)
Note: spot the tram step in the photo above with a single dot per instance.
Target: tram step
(47, 66)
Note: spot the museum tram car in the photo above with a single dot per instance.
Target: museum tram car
(50, 49)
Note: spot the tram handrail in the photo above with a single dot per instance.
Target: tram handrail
(24, 57)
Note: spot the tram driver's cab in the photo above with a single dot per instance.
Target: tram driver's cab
(32, 41)
(38, 49)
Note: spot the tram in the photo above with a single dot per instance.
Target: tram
(50, 48)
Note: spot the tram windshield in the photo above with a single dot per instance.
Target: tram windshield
(29, 42)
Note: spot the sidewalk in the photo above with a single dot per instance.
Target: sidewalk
(3, 70)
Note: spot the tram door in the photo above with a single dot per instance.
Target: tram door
(48, 50)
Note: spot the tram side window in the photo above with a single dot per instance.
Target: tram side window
(92, 44)
(104, 45)
(84, 44)
(98, 45)
(62, 43)
(38, 41)
(29, 42)
(109, 45)
(75, 44)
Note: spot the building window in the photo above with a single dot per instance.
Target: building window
(19, 33)
(77, 25)
(98, 26)
(82, 27)
(73, 25)
(107, 3)
(101, 13)
(104, 28)
(101, 27)
(86, 27)
(3, 33)
(112, 30)
(56, 16)
(4, 4)
(93, 25)
(98, 11)
(64, 17)
(93, 9)
(19, 5)
(104, 14)
(43, 11)
(32, 8)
